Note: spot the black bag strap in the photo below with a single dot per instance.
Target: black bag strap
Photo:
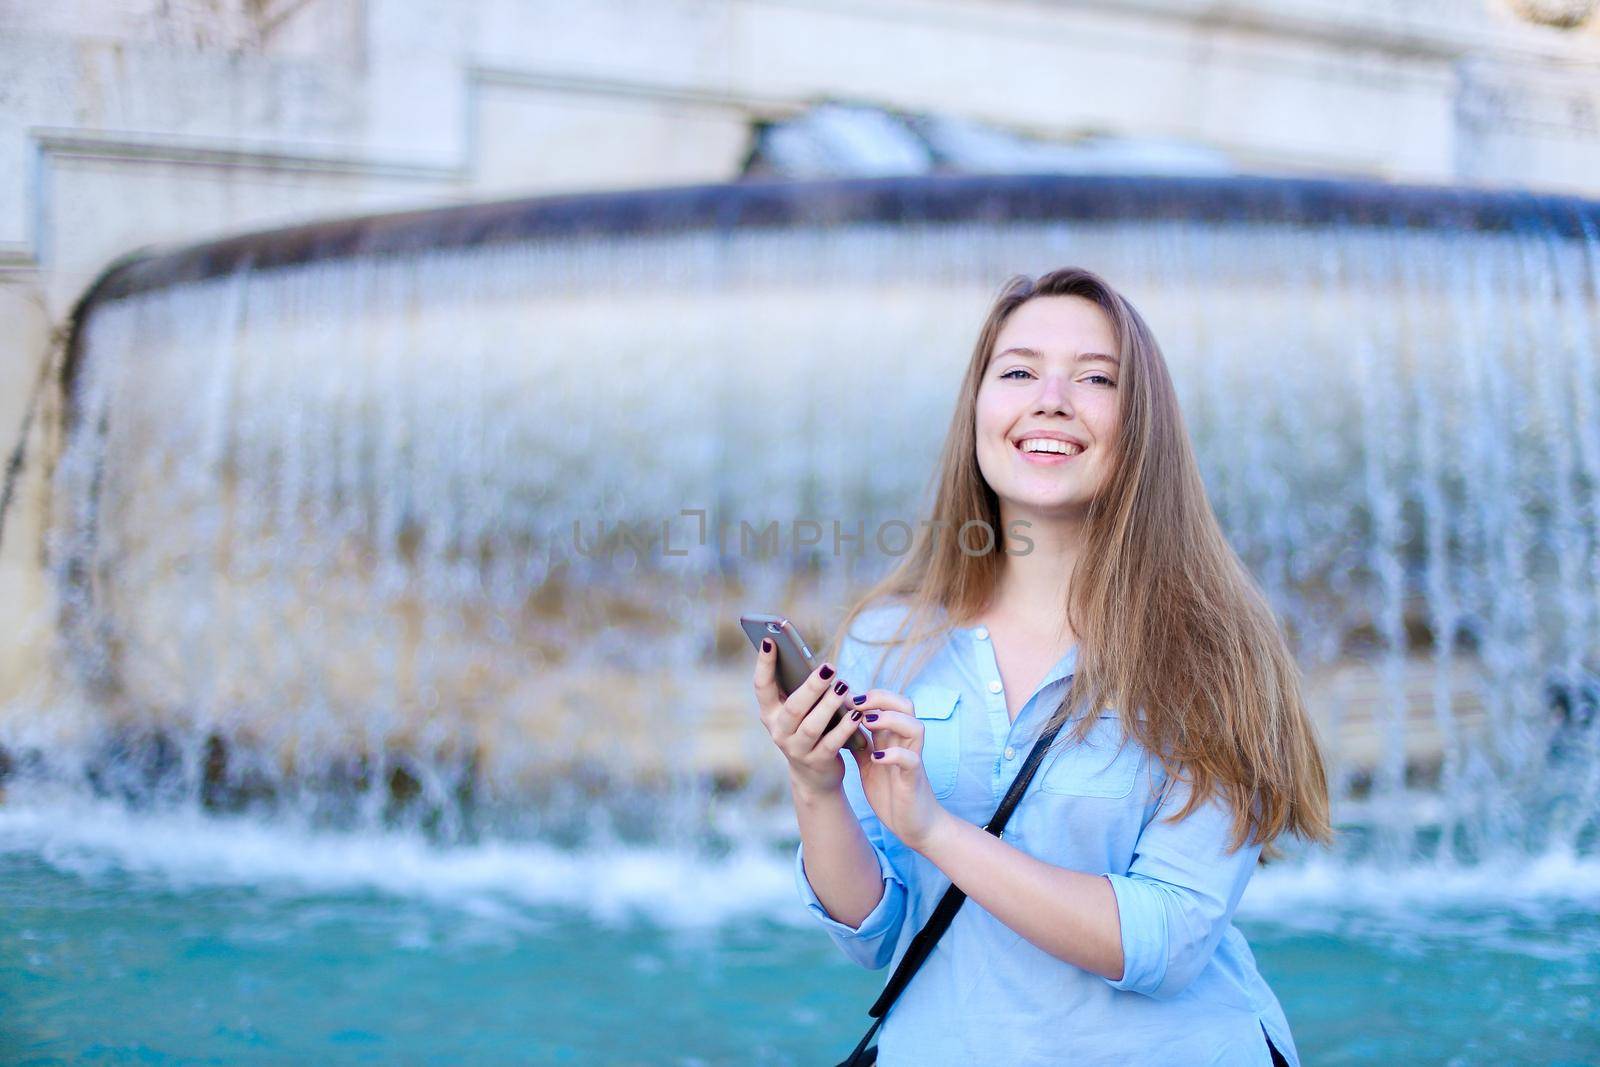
(922, 945)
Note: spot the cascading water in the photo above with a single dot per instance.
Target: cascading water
(337, 515)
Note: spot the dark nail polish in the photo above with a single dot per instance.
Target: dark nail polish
(859, 698)
(766, 646)
(855, 716)
(825, 673)
(872, 718)
(877, 755)
(840, 687)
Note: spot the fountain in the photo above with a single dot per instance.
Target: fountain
(445, 518)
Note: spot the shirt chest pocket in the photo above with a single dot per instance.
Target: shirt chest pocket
(1100, 766)
(934, 707)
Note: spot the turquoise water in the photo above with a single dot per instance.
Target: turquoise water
(184, 939)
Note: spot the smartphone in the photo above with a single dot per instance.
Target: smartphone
(795, 665)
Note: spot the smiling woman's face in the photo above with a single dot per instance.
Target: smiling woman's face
(1053, 374)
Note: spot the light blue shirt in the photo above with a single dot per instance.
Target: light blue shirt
(1190, 992)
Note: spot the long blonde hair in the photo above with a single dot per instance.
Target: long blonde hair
(1167, 618)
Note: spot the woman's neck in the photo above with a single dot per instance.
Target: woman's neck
(1032, 591)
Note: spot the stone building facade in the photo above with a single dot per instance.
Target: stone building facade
(130, 123)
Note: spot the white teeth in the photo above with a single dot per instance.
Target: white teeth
(1045, 444)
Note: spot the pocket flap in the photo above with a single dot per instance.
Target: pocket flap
(933, 701)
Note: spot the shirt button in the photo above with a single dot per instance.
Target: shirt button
(982, 633)
(1011, 753)
(994, 686)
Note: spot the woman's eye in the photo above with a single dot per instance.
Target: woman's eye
(1023, 372)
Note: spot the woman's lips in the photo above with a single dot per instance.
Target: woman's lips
(1045, 459)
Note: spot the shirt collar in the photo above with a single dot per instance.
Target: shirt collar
(1064, 668)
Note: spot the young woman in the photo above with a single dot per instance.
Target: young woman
(1098, 929)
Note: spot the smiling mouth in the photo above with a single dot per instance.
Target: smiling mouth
(1047, 452)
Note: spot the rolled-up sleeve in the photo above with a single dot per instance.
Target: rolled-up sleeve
(1179, 895)
(872, 943)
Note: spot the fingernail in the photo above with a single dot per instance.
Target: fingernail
(859, 698)
(840, 687)
(877, 755)
(766, 646)
(856, 716)
(826, 672)
(872, 718)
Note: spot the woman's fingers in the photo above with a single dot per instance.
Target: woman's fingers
(768, 697)
(886, 700)
(781, 714)
(902, 759)
(815, 723)
(894, 727)
(835, 739)
(817, 685)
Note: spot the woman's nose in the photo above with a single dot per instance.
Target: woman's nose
(1053, 394)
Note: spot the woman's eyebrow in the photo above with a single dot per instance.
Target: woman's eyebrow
(1083, 357)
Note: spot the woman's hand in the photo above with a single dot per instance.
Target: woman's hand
(798, 723)
(893, 778)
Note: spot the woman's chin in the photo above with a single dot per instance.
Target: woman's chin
(1042, 507)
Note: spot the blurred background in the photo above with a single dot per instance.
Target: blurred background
(376, 392)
